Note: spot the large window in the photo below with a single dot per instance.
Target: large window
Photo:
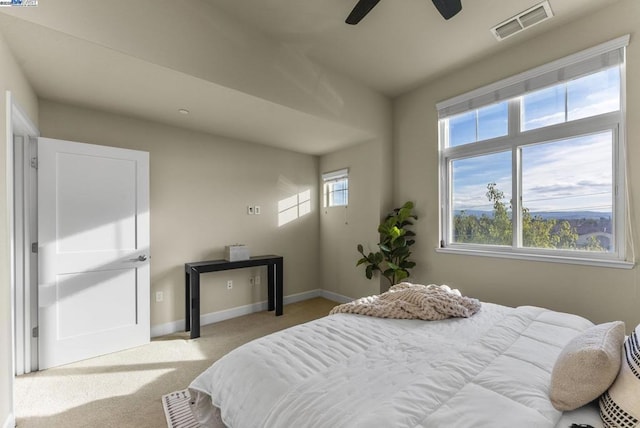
(336, 188)
(533, 166)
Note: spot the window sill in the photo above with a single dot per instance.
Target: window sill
(606, 263)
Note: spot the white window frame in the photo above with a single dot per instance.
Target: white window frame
(511, 89)
(329, 179)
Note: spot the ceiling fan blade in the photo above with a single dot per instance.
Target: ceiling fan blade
(360, 11)
(448, 8)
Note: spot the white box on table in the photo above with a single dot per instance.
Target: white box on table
(234, 253)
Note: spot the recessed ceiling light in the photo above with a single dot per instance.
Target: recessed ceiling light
(183, 111)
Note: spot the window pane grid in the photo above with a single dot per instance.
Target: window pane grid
(336, 193)
(561, 159)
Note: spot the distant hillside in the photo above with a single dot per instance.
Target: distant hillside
(573, 215)
(560, 215)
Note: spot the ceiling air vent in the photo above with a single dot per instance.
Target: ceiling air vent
(522, 21)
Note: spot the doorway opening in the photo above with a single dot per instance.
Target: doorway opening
(22, 188)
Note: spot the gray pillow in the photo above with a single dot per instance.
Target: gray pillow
(620, 405)
(587, 366)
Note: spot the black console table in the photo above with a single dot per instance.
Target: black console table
(192, 285)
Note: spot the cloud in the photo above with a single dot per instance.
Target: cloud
(572, 174)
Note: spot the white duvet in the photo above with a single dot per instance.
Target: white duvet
(344, 370)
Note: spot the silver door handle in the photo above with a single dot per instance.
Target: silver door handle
(142, 258)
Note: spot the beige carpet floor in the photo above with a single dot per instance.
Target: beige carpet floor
(124, 389)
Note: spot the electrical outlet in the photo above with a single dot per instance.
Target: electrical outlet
(256, 280)
(229, 285)
(250, 209)
(159, 296)
(256, 210)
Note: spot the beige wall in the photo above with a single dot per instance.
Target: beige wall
(200, 188)
(370, 184)
(11, 79)
(343, 228)
(600, 294)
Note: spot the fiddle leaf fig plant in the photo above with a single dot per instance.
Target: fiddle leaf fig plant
(392, 259)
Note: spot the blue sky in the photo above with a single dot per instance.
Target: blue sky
(568, 175)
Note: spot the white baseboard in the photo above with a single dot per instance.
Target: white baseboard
(213, 317)
(10, 422)
(330, 295)
(299, 297)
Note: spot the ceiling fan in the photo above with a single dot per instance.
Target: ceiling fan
(447, 8)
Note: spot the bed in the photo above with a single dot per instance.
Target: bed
(492, 369)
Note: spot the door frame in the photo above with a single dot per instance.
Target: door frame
(22, 215)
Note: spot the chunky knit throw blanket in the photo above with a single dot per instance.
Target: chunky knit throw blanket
(413, 301)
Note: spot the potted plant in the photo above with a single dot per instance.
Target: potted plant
(392, 259)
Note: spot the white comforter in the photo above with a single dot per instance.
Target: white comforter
(490, 370)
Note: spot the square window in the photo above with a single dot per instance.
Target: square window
(539, 175)
(336, 188)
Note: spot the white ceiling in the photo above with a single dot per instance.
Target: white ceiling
(398, 46)
(400, 43)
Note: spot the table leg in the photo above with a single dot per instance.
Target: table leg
(187, 301)
(271, 287)
(279, 287)
(195, 303)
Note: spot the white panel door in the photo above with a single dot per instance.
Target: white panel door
(93, 250)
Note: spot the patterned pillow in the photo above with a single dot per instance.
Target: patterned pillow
(620, 405)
